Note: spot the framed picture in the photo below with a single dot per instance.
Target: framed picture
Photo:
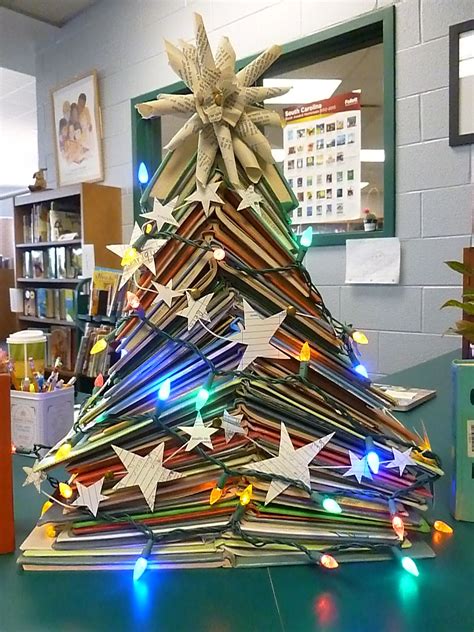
(77, 131)
(461, 83)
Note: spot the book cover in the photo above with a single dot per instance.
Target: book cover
(41, 302)
(61, 262)
(50, 263)
(103, 288)
(60, 343)
(69, 304)
(73, 262)
(64, 223)
(29, 303)
(37, 263)
(27, 265)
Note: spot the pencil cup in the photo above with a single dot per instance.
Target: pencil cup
(23, 345)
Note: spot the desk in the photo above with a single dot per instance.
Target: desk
(377, 597)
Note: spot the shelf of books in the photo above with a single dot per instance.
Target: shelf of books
(52, 229)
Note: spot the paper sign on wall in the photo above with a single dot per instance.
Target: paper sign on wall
(373, 260)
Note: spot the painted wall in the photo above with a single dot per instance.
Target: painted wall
(123, 40)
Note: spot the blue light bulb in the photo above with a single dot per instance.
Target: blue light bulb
(139, 568)
(142, 173)
(410, 566)
(164, 390)
(373, 461)
(360, 368)
(331, 506)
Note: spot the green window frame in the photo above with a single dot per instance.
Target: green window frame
(366, 30)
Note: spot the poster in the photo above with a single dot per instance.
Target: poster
(322, 142)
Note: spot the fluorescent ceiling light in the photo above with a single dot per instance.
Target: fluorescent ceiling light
(278, 154)
(302, 90)
(372, 155)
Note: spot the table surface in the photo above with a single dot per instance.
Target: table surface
(358, 597)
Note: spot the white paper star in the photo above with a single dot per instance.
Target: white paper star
(232, 424)
(290, 462)
(196, 309)
(250, 199)
(162, 214)
(145, 472)
(165, 293)
(206, 195)
(359, 467)
(257, 334)
(34, 478)
(401, 460)
(90, 496)
(199, 433)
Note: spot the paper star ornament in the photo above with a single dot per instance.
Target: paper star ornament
(250, 199)
(232, 425)
(165, 293)
(206, 195)
(34, 478)
(401, 460)
(256, 335)
(196, 309)
(162, 213)
(359, 467)
(90, 496)
(198, 433)
(145, 472)
(290, 462)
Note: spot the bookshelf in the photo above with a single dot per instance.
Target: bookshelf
(48, 268)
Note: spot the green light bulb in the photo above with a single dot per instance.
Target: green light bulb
(201, 398)
(410, 566)
(306, 238)
(331, 506)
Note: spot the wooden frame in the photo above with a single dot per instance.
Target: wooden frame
(455, 138)
(70, 152)
(372, 28)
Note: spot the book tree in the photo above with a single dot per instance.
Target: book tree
(238, 427)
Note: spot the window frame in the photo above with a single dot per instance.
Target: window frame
(369, 29)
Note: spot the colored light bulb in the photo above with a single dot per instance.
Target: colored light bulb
(50, 531)
(63, 452)
(328, 561)
(215, 495)
(65, 490)
(305, 353)
(442, 527)
(331, 506)
(99, 381)
(409, 565)
(246, 495)
(360, 338)
(164, 390)
(47, 505)
(142, 173)
(306, 237)
(360, 368)
(219, 254)
(129, 256)
(13, 448)
(201, 398)
(398, 526)
(373, 461)
(99, 346)
(140, 566)
(133, 302)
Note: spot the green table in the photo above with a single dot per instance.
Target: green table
(358, 597)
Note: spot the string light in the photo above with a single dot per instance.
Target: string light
(99, 346)
(328, 561)
(218, 490)
(133, 302)
(304, 358)
(204, 392)
(164, 390)
(13, 448)
(65, 490)
(219, 254)
(142, 173)
(305, 242)
(47, 505)
(373, 460)
(397, 522)
(142, 562)
(407, 563)
(129, 256)
(360, 368)
(63, 452)
(442, 527)
(331, 506)
(50, 531)
(246, 496)
(359, 337)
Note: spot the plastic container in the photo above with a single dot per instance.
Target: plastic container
(23, 345)
(41, 418)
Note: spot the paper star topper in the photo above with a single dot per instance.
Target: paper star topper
(401, 460)
(34, 478)
(206, 195)
(232, 425)
(199, 433)
(290, 462)
(250, 199)
(162, 213)
(256, 335)
(165, 293)
(196, 309)
(145, 472)
(90, 496)
(359, 467)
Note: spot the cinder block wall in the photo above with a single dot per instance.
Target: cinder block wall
(123, 40)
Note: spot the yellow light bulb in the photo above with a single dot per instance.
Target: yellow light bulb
(305, 353)
(46, 506)
(63, 452)
(50, 531)
(65, 490)
(246, 495)
(360, 338)
(99, 346)
(442, 527)
(148, 229)
(215, 495)
(129, 256)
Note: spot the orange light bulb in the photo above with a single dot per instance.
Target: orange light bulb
(398, 526)
(443, 527)
(328, 561)
(215, 495)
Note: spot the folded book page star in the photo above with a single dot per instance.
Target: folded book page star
(196, 309)
(232, 425)
(401, 460)
(162, 213)
(198, 433)
(34, 478)
(90, 496)
(358, 468)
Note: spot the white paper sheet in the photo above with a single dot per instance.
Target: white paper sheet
(373, 261)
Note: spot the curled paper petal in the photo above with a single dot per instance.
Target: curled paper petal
(247, 159)
(254, 138)
(259, 116)
(207, 150)
(259, 94)
(249, 75)
(225, 145)
(190, 128)
(169, 104)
